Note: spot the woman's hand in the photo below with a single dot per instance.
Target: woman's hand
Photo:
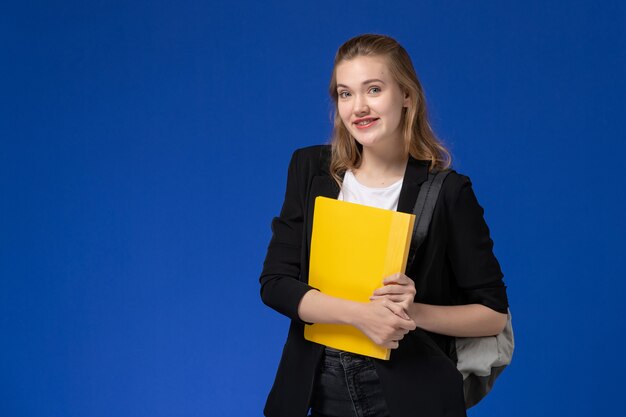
(397, 288)
(384, 322)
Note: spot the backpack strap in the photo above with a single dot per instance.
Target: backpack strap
(479, 359)
(424, 208)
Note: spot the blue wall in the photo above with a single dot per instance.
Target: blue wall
(143, 153)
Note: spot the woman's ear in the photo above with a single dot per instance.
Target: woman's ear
(407, 99)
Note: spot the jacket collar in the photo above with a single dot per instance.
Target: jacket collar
(415, 174)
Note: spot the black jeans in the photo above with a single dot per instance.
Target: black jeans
(347, 385)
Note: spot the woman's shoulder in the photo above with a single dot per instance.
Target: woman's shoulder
(457, 191)
(455, 181)
(311, 159)
(312, 152)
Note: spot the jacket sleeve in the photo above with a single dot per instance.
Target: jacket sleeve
(470, 251)
(281, 288)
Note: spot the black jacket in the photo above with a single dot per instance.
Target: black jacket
(455, 265)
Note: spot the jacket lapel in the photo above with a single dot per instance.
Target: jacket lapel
(416, 173)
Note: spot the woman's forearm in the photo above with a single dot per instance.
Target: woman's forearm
(471, 320)
(316, 307)
(384, 321)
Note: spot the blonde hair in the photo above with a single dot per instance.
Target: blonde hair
(419, 139)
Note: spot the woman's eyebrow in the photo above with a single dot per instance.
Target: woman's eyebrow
(372, 80)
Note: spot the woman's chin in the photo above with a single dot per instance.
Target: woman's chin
(370, 141)
(365, 140)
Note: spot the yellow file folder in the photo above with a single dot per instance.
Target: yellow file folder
(353, 248)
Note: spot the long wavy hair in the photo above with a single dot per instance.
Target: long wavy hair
(419, 139)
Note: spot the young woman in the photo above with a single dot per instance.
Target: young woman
(381, 151)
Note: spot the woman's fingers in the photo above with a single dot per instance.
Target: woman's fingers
(396, 309)
(396, 284)
(390, 289)
(385, 323)
(398, 278)
(399, 311)
(394, 340)
(405, 298)
(400, 291)
(394, 298)
(392, 344)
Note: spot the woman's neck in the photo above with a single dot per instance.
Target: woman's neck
(380, 168)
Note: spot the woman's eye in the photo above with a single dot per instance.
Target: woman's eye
(344, 94)
(375, 90)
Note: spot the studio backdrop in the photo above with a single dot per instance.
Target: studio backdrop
(143, 153)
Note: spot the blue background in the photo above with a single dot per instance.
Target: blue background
(144, 147)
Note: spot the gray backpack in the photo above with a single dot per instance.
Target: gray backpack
(479, 359)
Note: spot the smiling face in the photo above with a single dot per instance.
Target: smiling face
(370, 102)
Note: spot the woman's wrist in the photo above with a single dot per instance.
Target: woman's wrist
(317, 307)
(353, 312)
(416, 314)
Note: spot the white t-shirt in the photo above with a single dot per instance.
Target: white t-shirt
(355, 192)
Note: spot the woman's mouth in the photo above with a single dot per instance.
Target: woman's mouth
(365, 123)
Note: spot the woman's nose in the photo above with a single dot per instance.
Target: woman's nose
(360, 106)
